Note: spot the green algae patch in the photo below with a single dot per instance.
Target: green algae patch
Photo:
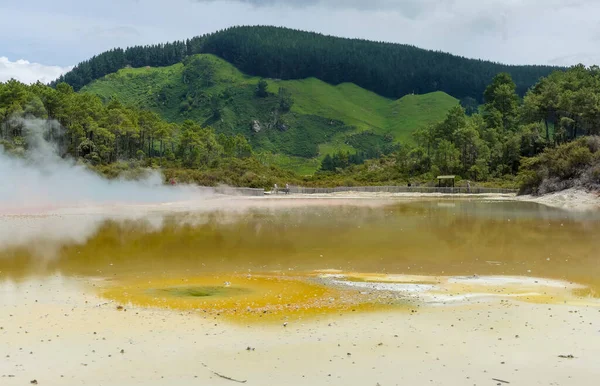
(201, 291)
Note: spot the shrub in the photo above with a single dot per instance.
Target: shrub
(574, 164)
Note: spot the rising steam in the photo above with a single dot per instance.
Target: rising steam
(43, 181)
(47, 201)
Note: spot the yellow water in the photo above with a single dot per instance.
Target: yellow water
(267, 297)
(271, 256)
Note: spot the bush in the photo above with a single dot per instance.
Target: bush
(261, 89)
(574, 164)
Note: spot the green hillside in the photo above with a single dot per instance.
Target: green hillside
(322, 119)
(388, 69)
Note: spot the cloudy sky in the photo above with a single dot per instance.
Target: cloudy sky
(41, 38)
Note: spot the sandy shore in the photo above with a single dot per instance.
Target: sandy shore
(571, 199)
(511, 341)
(383, 195)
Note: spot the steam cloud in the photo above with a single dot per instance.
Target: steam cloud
(44, 181)
(47, 201)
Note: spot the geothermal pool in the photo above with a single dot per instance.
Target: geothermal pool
(255, 260)
(300, 291)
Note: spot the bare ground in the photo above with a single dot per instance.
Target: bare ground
(571, 199)
(54, 333)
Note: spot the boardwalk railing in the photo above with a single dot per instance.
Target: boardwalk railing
(371, 189)
(230, 191)
(401, 189)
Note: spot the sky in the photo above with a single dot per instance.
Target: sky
(40, 39)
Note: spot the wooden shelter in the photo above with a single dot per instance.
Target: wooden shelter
(446, 179)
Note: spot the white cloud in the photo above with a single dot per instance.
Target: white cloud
(27, 72)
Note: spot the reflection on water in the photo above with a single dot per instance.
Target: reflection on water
(443, 238)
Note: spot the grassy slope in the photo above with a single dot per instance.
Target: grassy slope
(414, 111)
(312, 132)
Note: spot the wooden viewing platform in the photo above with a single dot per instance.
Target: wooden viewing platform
(446, 178)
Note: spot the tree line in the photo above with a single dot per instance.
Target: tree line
(537, 138)
(102, 134)
(391, 70)
(568, 102)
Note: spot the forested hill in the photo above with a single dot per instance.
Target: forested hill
(390, 70)
(304, 119)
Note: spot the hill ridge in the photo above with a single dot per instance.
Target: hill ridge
(389, 69)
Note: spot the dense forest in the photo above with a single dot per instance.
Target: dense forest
(391, 70)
